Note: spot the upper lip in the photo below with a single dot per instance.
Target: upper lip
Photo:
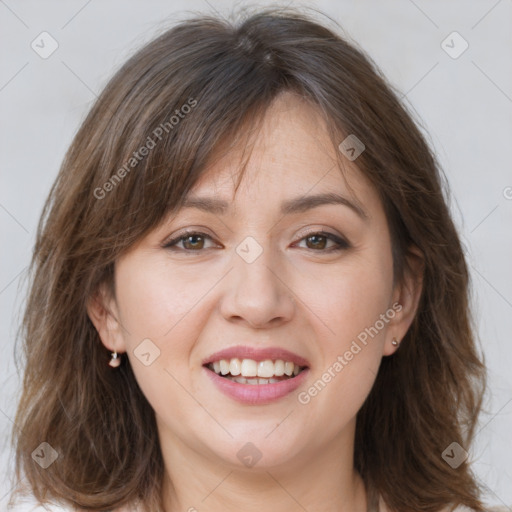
(257, 354)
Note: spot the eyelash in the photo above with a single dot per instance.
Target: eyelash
(341, 243)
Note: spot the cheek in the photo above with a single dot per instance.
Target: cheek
(351, 325)
(155, 299)
(161, 305)
(362, 296)
(351, 348)
(348, 297)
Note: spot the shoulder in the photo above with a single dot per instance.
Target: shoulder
(463, 508)
(33, 506)
(134, 507)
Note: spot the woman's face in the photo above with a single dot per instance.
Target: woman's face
(277, 269)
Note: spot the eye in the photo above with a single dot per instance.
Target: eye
(317, 241)
(193, 241)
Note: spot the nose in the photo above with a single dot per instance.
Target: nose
(257, 293)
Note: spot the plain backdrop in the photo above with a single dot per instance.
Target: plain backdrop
(463, 99)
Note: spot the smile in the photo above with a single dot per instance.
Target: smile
(249, 371)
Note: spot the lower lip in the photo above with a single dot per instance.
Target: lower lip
(257, 394)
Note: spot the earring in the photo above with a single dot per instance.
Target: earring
(395, 342)
(115, 361)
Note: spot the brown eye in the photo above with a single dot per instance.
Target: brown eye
(319, 242)
(193, 242)
(188, 242)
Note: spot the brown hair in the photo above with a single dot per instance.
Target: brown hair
(105, 199)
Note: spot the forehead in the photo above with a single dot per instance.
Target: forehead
(291, 154)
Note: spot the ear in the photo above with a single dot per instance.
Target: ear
(103, 312)
(407, 294)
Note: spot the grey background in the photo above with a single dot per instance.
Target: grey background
(464, 104)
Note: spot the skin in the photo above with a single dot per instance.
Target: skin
(297, 295)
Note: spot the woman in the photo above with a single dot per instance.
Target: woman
(247, 290)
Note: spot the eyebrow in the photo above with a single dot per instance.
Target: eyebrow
(290, 206)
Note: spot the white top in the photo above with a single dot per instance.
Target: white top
(31, 506)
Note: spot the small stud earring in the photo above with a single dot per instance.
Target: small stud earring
(395, 342)
(115, 361)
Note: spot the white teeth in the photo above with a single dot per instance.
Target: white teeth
(279, 368)
(224, 367)
(262, 372)
(266, 368)
(235, 366)
(259, 380)
(249, 368)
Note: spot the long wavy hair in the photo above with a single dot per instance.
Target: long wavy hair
(110, 193)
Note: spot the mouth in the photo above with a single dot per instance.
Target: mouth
(252, 372)
(256, 376)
